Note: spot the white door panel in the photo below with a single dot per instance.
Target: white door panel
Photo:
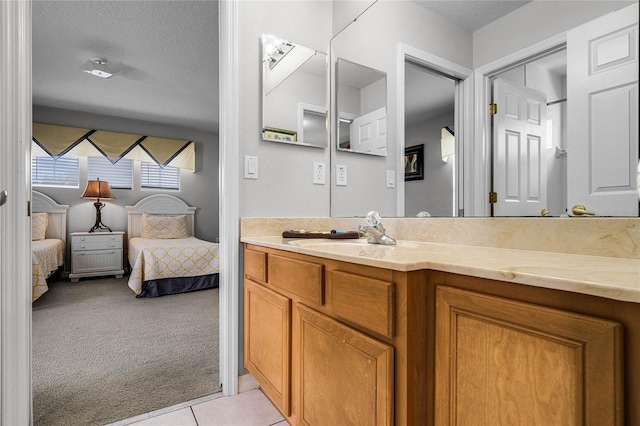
(519, 132)
(368, 132)
(602, 88)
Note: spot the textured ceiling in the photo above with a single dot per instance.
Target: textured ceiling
(472, 14)
(169, 51)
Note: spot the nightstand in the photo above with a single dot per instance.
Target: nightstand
(95, 254)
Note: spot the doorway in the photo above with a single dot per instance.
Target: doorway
(429, 99)
(453, 83)
(529, 146)
(124, 200)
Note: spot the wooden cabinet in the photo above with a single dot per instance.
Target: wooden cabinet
(504, 362)
(333, 342)
(96, 254)
(317, 361)
(267, 342)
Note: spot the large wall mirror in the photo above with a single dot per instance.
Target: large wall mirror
(362, 108)
(565, 169)
(294, 93)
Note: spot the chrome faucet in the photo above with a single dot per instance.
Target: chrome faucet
(375, 231)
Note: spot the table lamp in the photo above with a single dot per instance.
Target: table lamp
(98, 190)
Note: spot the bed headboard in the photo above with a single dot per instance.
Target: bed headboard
(160, 204)
(57, 226)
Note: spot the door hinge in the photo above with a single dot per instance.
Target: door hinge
(493, 109)
(29, 208)
(493, 197)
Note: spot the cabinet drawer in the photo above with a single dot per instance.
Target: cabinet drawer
(96, 242)
(302, 278)
(364, 301)
(96, 261)
(255, 264)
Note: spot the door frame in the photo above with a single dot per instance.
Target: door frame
(15, 229)
(229, 206)
(482, 160)
(463, 125)
(15, 122)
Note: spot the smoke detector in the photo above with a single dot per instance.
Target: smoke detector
(100, 67)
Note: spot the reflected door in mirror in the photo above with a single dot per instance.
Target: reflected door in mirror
(362, 108)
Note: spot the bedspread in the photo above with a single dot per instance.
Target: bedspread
(46, 256)
(153, 259)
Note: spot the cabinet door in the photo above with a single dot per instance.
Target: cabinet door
(346, 377)
(504, 362)
(267, 342)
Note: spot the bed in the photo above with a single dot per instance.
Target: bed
(164, 256)
(49, 236)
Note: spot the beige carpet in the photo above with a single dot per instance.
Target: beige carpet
(101, 355)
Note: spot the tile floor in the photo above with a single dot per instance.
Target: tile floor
(248, 408)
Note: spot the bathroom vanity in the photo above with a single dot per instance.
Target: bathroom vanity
(345, 332)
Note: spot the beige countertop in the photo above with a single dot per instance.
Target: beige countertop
(609, 277)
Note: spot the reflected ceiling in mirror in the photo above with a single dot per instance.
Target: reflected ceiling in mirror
(362, 108)
(294, 93)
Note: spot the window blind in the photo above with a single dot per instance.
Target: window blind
(48, 171)
(154, 176)
(119, 175)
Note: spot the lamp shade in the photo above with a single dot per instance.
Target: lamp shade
(447, 144)
(98, 190)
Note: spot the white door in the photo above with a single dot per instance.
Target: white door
(368, 132)
(602, 114)
(519, 166)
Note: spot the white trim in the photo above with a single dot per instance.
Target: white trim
(229, 199)
(302, 107)
(464, 124)
(15, 228)
(482, 75)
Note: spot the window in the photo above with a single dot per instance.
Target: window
(48, 171)
(154, 176)
(119, 175)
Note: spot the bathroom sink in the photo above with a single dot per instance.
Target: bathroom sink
(348, 245)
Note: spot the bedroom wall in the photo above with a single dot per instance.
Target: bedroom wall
(199, 188)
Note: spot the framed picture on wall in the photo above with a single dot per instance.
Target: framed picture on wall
(414, 162)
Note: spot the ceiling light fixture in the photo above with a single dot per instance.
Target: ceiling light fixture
(275, 49)
(100, 68)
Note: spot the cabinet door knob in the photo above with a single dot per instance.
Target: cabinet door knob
(82, 246)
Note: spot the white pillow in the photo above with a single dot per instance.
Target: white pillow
(39, 222)
(162, 227)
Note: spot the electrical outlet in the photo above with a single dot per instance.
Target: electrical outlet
(391, 179)
(341, 175)
(319, 173)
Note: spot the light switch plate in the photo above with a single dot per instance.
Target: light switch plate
(391, 179)
(250, 167)
(341, 175)
(319, 173)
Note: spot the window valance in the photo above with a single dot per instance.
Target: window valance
(57, 141)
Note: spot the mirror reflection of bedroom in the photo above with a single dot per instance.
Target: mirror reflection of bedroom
(124, 208)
